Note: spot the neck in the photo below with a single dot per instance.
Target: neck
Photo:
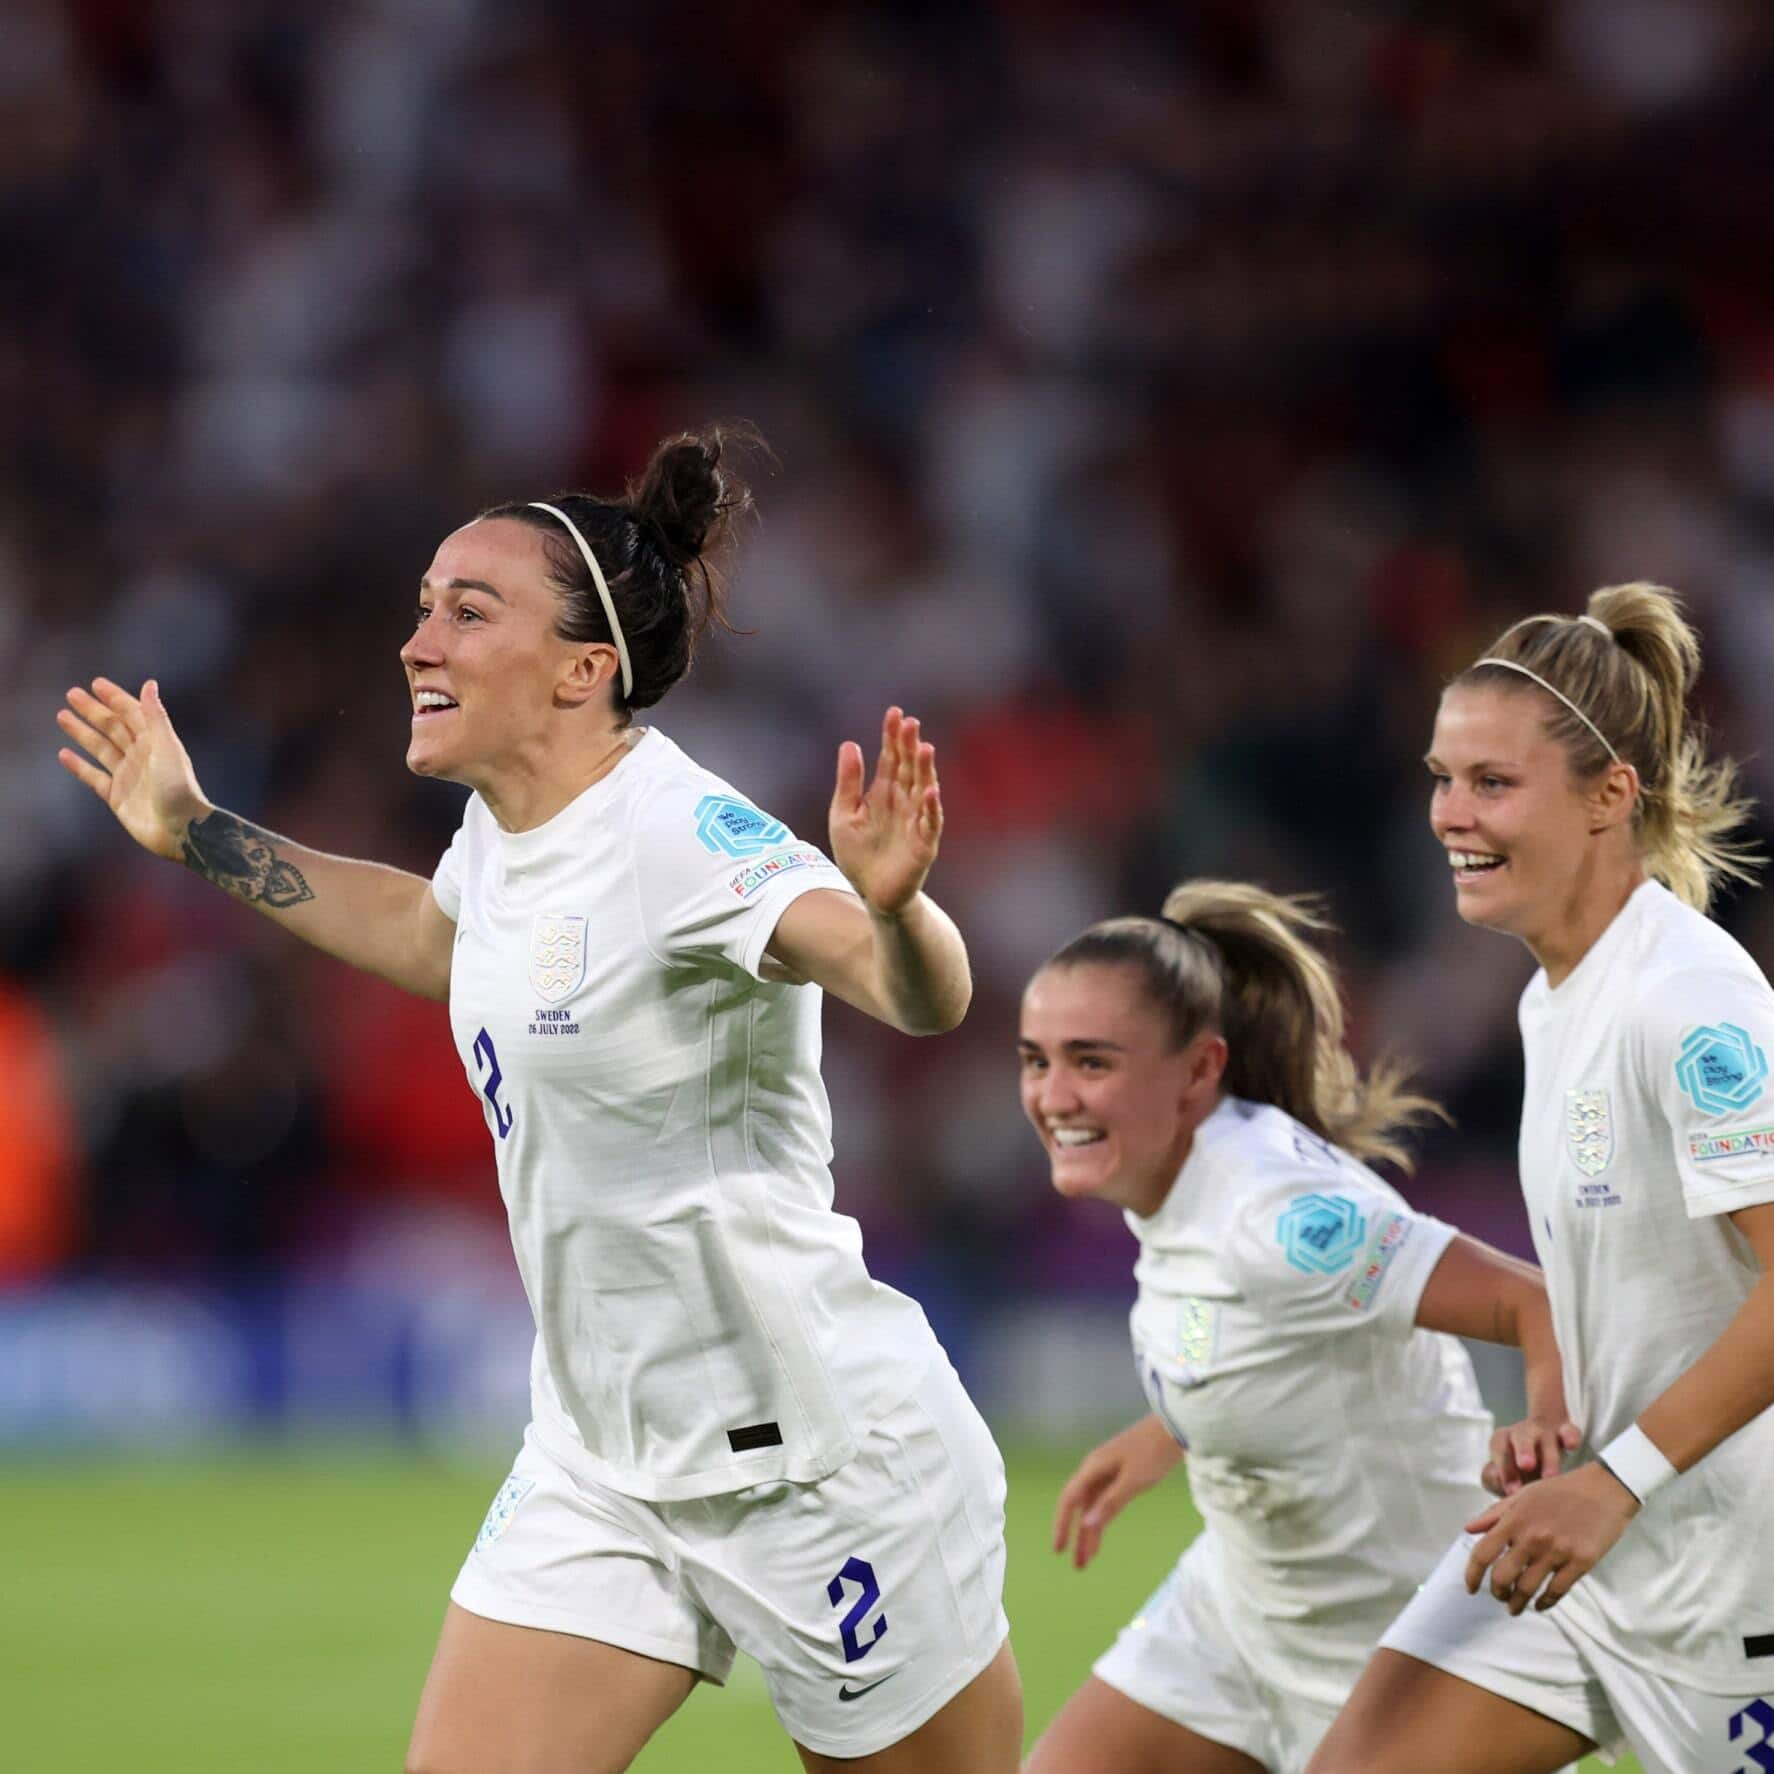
(1593, 905)
(1153, 1194)
(529, 793)
(1146, 1198)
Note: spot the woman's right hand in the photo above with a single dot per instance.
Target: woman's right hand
(1107, 1480)
(137, 766)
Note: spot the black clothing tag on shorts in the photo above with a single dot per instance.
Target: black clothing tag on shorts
(754, 1435)
(1759, 1644)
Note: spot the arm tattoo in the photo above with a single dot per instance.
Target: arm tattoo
(243, 859)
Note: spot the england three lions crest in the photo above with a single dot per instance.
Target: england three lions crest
(557, 955)
(1589, 1130)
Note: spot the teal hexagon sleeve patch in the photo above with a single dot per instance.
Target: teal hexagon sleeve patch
(1721, 1068)
(1321, 1234)
(728, 826)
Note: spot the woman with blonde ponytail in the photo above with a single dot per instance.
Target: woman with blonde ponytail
(1581, 813)
(1289, 1329)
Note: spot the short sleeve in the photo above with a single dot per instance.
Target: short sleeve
(1337, 1257)
(715, 874)
(446, 880)
(1707, 1038)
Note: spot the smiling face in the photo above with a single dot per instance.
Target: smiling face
(1114, 1101)
(1531, 850)
(487, 673)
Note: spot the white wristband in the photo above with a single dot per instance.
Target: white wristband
(1637, 1461)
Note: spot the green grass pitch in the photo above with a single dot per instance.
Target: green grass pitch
(264, 1613)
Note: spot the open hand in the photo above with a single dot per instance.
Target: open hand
(1107, 1480)
(1549, 1534)
(134, 763)
(1533, 1448)
(886, 838)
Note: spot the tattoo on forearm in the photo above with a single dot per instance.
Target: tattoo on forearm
(243, 859)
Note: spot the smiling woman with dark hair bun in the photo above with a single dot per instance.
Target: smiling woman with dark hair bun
(739, 1439)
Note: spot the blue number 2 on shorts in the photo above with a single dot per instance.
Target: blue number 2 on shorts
(483, 1050)
(1759, 1715)
(860, 1572)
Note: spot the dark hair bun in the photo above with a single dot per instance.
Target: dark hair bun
(685, 495)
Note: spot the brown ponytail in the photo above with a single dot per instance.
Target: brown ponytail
(1237, 958)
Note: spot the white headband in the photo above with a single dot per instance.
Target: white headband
(1510, 665)
(603, 592)
(1594, 622)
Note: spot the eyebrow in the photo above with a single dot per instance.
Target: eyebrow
(492, 591)
(1086, 1044)
(1482, 764)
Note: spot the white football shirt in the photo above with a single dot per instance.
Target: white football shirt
(704, 1320)
(1646, 1119)
(1334, 1448)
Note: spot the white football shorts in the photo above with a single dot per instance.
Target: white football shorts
(1539, 1661)
(870, 1598)
(1176, 1658)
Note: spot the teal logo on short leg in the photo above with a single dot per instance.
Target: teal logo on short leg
(511, 1493)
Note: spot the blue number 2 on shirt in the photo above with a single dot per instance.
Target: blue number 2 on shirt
(860, 1572)
(483, 1050)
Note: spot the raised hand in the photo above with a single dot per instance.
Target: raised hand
(134, 763)
(885, 838)
(1107, 1480)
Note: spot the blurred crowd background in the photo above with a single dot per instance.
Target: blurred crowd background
(1164, 400)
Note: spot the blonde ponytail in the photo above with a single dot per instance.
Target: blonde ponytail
(1689, 804)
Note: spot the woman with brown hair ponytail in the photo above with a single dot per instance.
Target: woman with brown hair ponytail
(1289, 1329)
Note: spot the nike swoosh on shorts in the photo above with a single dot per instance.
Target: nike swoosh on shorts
(857, 1693)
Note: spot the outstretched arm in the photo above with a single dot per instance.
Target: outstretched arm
(897, 955)
(380, 919)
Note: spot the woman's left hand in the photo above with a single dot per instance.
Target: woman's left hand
(1527, 1451)
(885, 838)
(1548, 1534)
